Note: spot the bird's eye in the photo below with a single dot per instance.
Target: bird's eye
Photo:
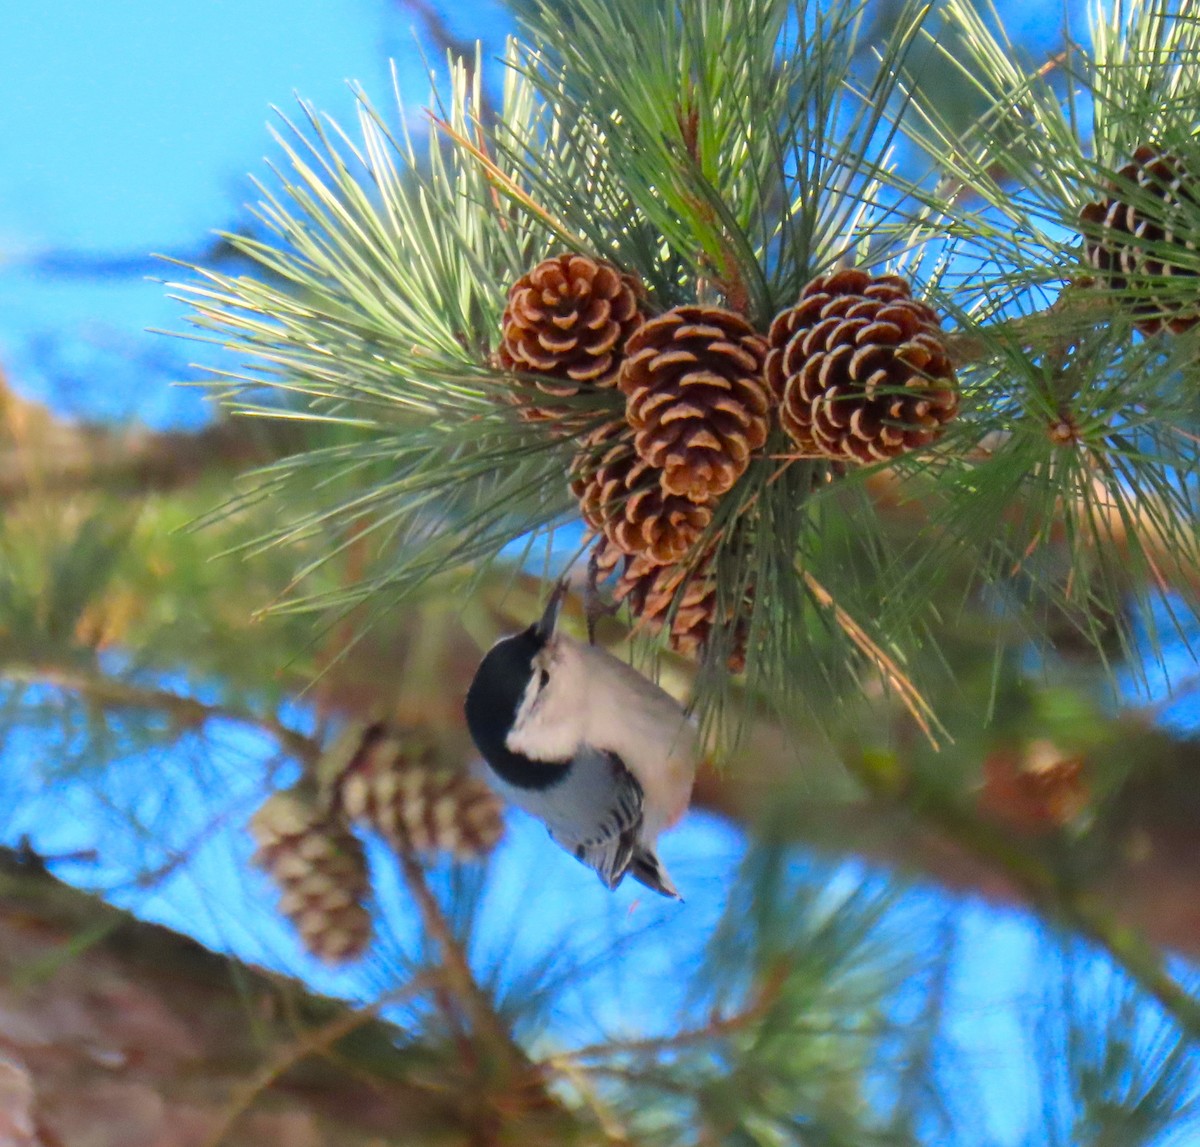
(543, 681)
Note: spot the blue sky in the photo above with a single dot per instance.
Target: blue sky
(130, 127)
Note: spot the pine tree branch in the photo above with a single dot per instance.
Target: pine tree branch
(184, 711)
(1073, 308)
(510, 1085)
(1053, 894)
(132, 1025)
(609, 1122)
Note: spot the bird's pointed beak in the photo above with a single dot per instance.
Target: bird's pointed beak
(545, 627)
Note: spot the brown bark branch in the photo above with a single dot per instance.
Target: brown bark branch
(1139, 892)
(320, 1041)
(125, 1031)
(1059, 897)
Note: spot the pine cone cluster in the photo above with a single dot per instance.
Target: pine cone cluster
(321, 871)
(696, 410)
(567, 322)
(1147, 228)
(856, 371)
(375, 778)
(386, 782)
(860, 369)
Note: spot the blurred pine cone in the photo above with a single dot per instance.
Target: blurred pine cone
(621, 497)
(1151, 212)
(692, 380)
(861, 367)
(393, 784)
(650, 591)
(567, 321)
(1036, 788)
(321, 870)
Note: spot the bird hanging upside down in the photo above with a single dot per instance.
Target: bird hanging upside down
(577, 738)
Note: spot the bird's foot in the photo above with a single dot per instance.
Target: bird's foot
(594, 606)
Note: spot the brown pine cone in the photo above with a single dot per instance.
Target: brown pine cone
(321, 870)
(651, 590)
(567, 321)
(862, 368)
(694, 395)
(621, 497)
(394, 785)
(1130, 237)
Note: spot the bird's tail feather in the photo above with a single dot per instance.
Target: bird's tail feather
(621, 856)
(647, 869)
(610, 858)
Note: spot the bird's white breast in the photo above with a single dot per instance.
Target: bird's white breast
(594, 698)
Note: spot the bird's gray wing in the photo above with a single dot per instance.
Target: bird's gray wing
(597, 813)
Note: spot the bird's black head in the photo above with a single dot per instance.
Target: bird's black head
(497, 688)
(495, 696)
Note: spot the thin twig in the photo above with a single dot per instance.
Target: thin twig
(187, 711)
(176, 858)
(459, 978)
(1029, 331)
(717, 1028)
(320, 1040)
(927, 1029)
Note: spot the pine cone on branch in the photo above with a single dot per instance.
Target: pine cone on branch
(567, 322)
(694, 394)
(621, 498)
(321, 870)
(393, 784)
(861, 368)
(1147, 227)
(651, 590)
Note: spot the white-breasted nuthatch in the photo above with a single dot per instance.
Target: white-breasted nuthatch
(577, 738)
